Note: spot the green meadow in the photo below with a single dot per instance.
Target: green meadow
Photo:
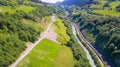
(99, 6)
(64, 58)
(114, 4)
(108, 12)
(41, 26)
(60, 29)
(111, 12)
(48, 54)
(11, 10)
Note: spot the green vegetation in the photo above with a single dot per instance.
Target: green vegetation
(90, 36)
(18, 35)
(64, 58)
(44, 22)
(20, 22)
(106, 7)
(108, 12)
(99, 22)
(78, 51)
(98, 5)
(103, 32)
(94, 56)
(48, 54)
(61, 30)
(41, 25)
(43, 55)
(100, 26)
(114, 4)
(9, 9)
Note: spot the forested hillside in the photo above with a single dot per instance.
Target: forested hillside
(100, 22)
(20, 22)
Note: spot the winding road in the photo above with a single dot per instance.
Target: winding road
(34, 44)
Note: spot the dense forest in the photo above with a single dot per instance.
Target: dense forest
(18, 25)
(103, 32)
(99, 23)
(14, 33)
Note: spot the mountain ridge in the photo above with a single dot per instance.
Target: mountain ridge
(76, 2)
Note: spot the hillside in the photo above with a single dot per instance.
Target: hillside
(69, 34)
(23, 35)
(99, 23)
(20, 22)
(106, 7)
(76, 2)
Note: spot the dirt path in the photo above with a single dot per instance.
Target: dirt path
(51, 35)
(45, 34)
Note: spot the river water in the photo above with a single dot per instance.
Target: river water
(91, 61)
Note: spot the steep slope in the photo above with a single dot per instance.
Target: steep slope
(99, 22)
(21, 21)
(106, 7)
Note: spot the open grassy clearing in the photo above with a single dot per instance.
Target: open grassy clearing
(10, 10)
(102, 3)
(40, 25)
(112, 12)
(60, 29)
(108, 12)
(48, 54)
(44, 22)
(114, 4)
(33, 24)
(98, 6)
(64, 55)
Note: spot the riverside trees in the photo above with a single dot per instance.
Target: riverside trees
(102, 31)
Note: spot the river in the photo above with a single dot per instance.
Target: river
(91, 61)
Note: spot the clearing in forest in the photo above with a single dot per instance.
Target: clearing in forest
(48, 54)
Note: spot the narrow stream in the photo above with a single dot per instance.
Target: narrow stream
(91, 61)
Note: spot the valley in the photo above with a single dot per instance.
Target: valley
(69, 33)
(97, 28)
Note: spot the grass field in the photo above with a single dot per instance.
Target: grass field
(99, 6)
(60, 29)
(114, 4)
(41, 25)
(45, 21)
(64, 55)
(108, 12)
(11, 11)
(48, 54)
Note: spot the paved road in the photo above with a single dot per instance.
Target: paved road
(100, 56)
(33, 45)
